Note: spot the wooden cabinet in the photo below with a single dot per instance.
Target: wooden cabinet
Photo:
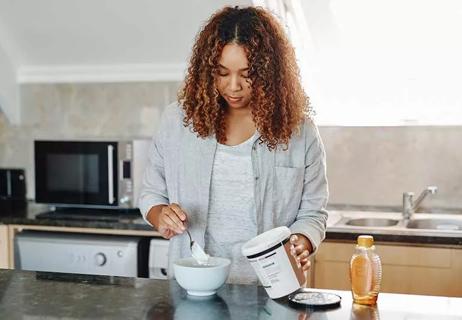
(406, 268)
(4, 248)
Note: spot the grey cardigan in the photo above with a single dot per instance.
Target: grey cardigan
(290, 190)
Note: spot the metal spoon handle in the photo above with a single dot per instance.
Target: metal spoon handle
(190, 239)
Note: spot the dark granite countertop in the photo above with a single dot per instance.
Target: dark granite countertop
(121, 222)
(24, 295)
(427, 240)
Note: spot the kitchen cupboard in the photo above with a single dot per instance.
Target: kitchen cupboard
(4, 248)
(428, 270)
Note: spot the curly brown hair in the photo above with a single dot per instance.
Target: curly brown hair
(278, 103)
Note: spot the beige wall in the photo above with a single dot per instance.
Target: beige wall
(366, 165)
(73, 111)
(375, 165)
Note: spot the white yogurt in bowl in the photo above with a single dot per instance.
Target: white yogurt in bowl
(199, 254)
(200, 279)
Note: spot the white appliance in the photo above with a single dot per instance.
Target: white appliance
(158, 259)
(81, 253)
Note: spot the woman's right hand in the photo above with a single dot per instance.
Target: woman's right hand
(170, 221)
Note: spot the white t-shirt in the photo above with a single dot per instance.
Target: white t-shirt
(231, 218)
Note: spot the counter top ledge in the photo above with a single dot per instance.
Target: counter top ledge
(24, 295)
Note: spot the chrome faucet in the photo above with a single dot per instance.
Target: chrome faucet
(410, 206)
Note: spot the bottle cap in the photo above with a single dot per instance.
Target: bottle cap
(365, 241)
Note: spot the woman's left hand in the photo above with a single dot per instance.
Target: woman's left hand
(301, 248)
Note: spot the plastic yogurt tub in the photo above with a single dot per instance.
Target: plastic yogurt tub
(276, 268)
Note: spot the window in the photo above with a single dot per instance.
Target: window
(373, 63)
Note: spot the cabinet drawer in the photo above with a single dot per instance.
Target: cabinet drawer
(390, 254)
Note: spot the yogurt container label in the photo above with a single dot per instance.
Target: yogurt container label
(276, 268)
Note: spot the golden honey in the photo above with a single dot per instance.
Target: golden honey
(365, 272)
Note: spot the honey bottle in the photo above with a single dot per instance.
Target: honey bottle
(365, 271)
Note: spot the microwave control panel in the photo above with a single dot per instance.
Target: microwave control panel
(133, 157)
(125, 174)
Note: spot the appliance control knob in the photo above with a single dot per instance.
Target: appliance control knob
(100, 259)
(124, 200)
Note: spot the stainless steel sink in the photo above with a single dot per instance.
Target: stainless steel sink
(372, 222)
(435, 224)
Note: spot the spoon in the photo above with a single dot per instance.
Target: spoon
(191, 241)
(197, 252)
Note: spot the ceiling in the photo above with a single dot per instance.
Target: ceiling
(96, 41)
(105, 32)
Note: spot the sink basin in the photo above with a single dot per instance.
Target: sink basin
(372, 222)
(436, 224)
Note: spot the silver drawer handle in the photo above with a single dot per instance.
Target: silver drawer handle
(110, 171)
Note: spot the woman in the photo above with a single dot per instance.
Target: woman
(238, 154)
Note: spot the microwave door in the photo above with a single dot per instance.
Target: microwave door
(76, 173)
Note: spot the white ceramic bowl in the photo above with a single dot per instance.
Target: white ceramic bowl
(201, 280)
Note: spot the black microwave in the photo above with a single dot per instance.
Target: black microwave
(13, 192)
(92, 174)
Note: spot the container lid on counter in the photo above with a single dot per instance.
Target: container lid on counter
(306, 297)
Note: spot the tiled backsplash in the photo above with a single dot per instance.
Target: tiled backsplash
(366, 165)
(78, 111)
(375, 165)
